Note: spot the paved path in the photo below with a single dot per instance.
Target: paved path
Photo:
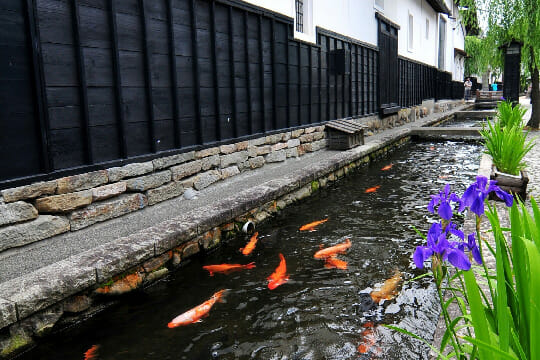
(24, 260)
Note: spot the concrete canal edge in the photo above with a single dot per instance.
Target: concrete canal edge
(72, 289)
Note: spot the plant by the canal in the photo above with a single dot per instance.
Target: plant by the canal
(510, 115)
(501, 321)
(504, 139)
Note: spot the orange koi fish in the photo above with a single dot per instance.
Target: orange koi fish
(227, 268)
(444, 176)
(334, 262)
(369, 339)
(373, 189)
(194, 315)
(91, 353)
(388, 289)
(278, 277)
(387, 167)
(311, 226)
(333, 250)
(432, 148)
(250, 245)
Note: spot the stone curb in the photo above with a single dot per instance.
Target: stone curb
(26, 295)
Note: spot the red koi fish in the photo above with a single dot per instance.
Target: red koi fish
(387, 167)
(333, 250)
(372, 189)
(388, 290)
(334, 262)
(91, 353)
(227, 268)
(278, 277)
(311, 226)
(194, 315)
(250, 245)
(369, 339)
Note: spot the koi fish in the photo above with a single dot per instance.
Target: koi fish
(388, 289)
(194, 315)
(311, 226)
(333, 250)
(227, 268)
(278, 277)
(373, 189)
(334, 262)
(387, 167)
(369, 339)
(250, 245)
(91, 353)
(432, 148)
(444, 176)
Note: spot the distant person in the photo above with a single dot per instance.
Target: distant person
(494, 87)
(468, 85)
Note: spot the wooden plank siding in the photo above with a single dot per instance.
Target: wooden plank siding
(90, 84)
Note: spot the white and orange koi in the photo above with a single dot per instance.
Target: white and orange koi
(333, 250)
(194, 315)
(388, 290)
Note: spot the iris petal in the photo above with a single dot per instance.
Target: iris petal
(445, 211)
(421, 254)
(477, 206)
(459, 259)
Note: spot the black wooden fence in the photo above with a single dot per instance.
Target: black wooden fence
(87, 84)
(419, 81)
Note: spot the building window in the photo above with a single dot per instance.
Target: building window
(427, 29)
(442, 43)
(411, 31)
(379, 4)
(300, 16)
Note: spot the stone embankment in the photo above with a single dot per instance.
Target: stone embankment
(73, 287)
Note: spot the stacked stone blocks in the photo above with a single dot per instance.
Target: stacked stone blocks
(41, 210)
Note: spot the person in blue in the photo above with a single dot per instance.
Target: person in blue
(494, 87)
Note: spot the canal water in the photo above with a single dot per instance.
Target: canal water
(320, 313)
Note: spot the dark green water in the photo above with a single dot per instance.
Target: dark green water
(320, 313)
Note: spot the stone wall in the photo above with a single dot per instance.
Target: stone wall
(41, 210)
(62, 294)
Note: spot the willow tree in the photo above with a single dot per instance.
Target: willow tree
(509, 20)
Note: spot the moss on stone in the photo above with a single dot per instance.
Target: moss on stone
(15, 344)
(314, 185)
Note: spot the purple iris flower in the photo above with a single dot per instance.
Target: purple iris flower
(443, 199)
(477, 192)
(438, 244)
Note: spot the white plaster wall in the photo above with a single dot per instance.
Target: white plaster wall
(423, 50)
(356, 19)
(285, 7)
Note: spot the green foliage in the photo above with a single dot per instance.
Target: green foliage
(508, 115)
(505, 140)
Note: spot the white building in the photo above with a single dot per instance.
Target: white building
(430, 30)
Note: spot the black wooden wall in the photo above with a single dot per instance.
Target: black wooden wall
(87, 84)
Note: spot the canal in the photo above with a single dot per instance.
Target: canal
(320, 313)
